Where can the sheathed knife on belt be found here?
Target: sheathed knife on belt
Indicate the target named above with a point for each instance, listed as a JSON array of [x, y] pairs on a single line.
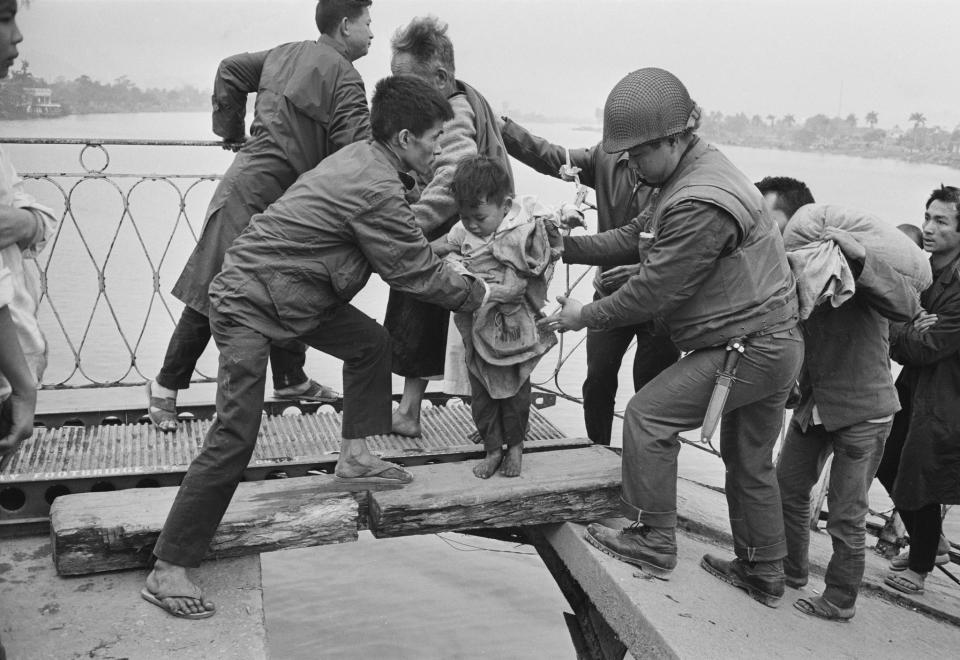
[[721, 389]]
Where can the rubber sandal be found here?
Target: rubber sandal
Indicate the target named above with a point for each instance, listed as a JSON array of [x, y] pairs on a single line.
[[156, 599], [822, 608], [903, 584], [378, 476], [165, 415], [315, 392]]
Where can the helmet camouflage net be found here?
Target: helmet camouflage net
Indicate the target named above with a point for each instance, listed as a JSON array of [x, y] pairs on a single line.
[[647, 104]]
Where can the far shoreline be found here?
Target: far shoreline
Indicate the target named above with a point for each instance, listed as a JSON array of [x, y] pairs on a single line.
[[951, 160]]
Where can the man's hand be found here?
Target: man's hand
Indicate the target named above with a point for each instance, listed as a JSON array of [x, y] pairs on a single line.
[[234, 145], [616, 277], [924, 321], [569, 172], [566, 318], [16, 420], [570, 217], [852, 248]]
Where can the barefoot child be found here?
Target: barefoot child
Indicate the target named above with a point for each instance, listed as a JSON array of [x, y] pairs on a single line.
[[512, 244]]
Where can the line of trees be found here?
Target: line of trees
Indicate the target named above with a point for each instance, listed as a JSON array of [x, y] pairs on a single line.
[[84, 95], [838, 134]]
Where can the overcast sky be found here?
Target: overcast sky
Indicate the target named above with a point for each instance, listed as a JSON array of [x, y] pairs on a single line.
[[558, 57]]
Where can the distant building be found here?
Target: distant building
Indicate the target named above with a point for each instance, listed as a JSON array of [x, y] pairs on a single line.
[[39, 101]]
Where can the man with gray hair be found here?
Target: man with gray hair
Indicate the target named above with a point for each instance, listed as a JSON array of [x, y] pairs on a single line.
[[418, 329]]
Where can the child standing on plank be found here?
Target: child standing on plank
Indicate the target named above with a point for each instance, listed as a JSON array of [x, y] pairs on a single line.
[[512, 244]]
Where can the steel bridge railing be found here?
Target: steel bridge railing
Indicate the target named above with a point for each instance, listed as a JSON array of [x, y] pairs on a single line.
[[112, 226]]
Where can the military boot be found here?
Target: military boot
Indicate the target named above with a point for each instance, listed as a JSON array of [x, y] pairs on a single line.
[[763, 580], [654, 549]]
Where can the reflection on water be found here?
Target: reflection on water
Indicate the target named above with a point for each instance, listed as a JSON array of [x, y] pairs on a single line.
[[406, 598]]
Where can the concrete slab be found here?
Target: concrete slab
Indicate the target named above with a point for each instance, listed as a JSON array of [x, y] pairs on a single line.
[[704, 511], [695, 615], [43, 616]]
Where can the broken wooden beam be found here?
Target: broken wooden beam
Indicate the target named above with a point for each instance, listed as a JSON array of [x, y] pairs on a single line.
[[558, 486], [107, 531]]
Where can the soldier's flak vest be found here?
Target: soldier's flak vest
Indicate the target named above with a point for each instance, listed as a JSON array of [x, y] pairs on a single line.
[[751, 290]]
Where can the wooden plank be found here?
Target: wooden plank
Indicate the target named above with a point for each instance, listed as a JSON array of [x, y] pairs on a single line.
[[575, 484], [95, 532]]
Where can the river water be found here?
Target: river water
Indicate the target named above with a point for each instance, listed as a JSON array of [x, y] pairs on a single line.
[[444, 596]]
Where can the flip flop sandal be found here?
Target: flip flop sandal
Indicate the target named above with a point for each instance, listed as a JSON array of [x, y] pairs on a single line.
[[378, 476], [903, 584], [822, 608], [161, 410], [315, 392], [156, 599]]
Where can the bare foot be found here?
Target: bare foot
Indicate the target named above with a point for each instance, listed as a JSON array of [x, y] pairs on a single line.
[[513, 461], [488, 466], [170, 584], [403, 424]]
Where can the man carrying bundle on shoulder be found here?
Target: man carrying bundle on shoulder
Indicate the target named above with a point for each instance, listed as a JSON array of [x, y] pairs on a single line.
[[847, 398]]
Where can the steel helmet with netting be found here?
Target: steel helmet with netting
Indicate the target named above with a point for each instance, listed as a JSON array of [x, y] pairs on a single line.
[[646, 105]]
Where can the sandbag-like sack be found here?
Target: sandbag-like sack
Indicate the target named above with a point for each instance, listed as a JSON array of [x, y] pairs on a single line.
[[881, 239]]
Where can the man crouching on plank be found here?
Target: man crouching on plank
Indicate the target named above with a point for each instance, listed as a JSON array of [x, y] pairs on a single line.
[[291, 275]]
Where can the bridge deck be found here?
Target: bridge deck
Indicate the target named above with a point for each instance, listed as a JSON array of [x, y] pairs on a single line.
[[75, 459]]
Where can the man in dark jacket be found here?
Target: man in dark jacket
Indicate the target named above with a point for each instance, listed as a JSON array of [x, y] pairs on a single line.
[[310, 103], [714, 272], [290, 276], [847, 403], [620, 196], [419, 329], [922, 458]]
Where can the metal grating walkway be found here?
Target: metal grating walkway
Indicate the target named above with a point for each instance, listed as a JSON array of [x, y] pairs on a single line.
[[74, 459]]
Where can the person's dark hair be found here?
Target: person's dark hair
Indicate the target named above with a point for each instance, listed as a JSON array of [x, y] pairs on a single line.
[[913, 232], [406, 102], [425, 39], [791, 193], [331, 12], [479, 178], [947, 195]]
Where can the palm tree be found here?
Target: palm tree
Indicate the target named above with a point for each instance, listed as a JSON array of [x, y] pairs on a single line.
[[918, 119], [789, 121], [872, 118], [771, 119]]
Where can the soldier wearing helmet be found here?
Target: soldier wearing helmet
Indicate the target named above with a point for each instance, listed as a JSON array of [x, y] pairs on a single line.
[[714, 272]]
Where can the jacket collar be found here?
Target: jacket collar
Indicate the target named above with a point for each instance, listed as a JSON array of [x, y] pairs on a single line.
[[334, 44], [387, 155], [694, 150]]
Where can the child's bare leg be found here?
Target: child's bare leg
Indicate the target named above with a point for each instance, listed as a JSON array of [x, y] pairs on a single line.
[[488, 466], [512, 462]]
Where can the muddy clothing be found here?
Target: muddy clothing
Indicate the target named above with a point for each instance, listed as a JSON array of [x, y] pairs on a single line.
[[713, 268], [620, 197], [310, 102], [291, 275], [419, 329], [928, 427]]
